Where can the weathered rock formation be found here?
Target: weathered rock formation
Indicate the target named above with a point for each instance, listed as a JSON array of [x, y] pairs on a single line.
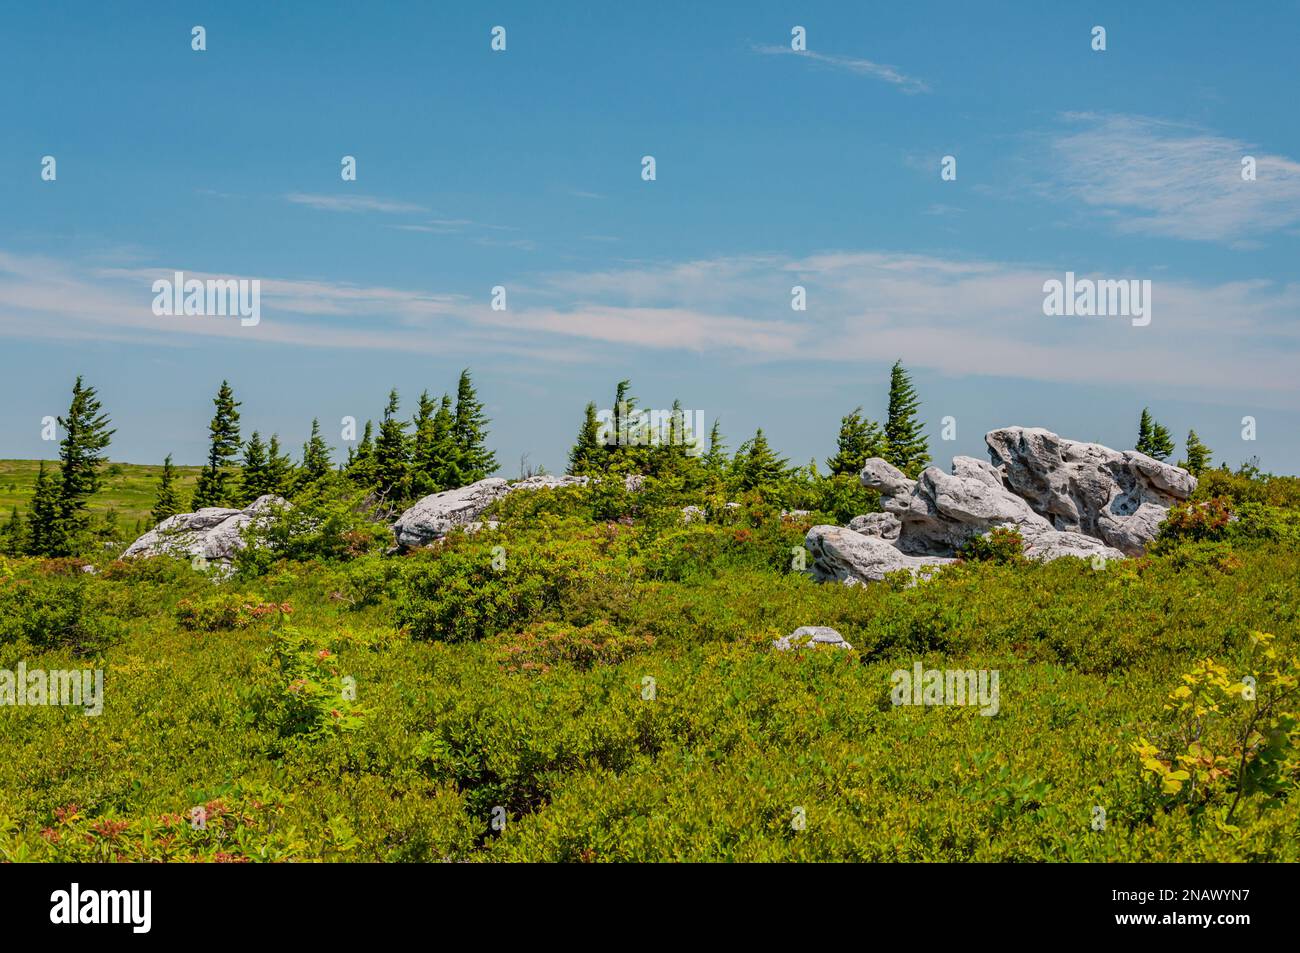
[[838, 553], [1120, 497], [213, 533], [1066, 498], [433, 517]]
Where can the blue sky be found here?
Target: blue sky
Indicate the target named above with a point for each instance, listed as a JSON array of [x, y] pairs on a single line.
[[523, 169]]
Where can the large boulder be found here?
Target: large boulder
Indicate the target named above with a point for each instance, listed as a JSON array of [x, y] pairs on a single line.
[[212, 533], [1064, 497], [1119, 497], [433, 517], [842, 555], [939, 511]]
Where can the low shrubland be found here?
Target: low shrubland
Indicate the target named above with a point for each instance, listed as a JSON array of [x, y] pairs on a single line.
[[594, 680]]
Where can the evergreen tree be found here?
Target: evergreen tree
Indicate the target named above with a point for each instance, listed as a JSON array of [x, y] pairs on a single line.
[[1153, 438], [715, 460], [1144, 432], [585, 457], [279, 468], [81, 454], [43, 530], [13, 537], [619, 438], [1198, 455], [316, 464], [361, 468], [450, 471], [906, 446], [169, 501], [860, 439], [757, 465], [430, 445], [469, 433], [111, 530], [392, 453], [254, 477], [216, 485]]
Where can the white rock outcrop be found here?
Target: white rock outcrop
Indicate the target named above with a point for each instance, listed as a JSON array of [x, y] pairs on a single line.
[[840, 554], [212, 533], [433, 517], [1065, 498]]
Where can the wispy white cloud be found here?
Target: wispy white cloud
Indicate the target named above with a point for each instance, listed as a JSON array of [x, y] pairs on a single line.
[[351, 203], [851, 64], [1153, 177], [1227, 341]]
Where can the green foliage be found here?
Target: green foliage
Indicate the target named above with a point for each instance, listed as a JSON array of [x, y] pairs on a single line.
[[168, 503], [609, 683], [81, 454], [587, 454], [1153, 438], [1001, 544], [472, 589], [906, 446], [216, 484], [224, 611], [316, 466], [45, 535], [329, 522], [392, 454], [46, 612], [860, 439], [757, 467], [1232, 739], [1198, 455], [254, 476], [469, 433], [544, 645]]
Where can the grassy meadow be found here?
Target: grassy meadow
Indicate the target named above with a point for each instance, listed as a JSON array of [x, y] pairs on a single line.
[[129, 488]]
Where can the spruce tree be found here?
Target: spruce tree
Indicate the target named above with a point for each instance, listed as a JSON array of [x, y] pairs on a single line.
[[1153, 438], [361, 468], [426, 453], [585, 457], [715, 460], [254, 476], [906, 446], [469, 433], [13, 537], [1198, 455], [619, 439], [450, 471], [43, 531], [216, 480], [1144, 432], [392, 453], [316, 464], [81, 454], [860, 439], [757, 465], [169, 501], [279, 468]]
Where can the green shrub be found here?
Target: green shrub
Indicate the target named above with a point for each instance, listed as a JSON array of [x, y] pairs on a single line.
[[1000, 545], [545, 644], [223, 611], [470, 590], [52, 612]]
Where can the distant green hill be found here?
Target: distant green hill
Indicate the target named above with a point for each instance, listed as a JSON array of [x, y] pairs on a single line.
[[130, 488]]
